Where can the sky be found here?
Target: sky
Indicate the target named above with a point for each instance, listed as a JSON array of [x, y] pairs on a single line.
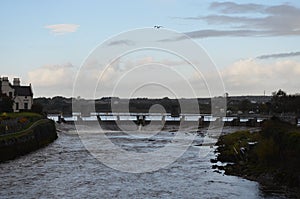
[[253, 45]]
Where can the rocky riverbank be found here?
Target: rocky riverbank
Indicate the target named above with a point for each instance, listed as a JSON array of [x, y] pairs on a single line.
[[38, 135], [270, 156]]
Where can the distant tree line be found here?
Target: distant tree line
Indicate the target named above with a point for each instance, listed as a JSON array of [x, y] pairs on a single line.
[[279, 102], [283, 103], [107, 104]]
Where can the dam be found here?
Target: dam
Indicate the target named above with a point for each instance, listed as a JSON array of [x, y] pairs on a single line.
[[144, 119]]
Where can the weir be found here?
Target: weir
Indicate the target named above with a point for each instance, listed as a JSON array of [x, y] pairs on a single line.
[[144, 119]]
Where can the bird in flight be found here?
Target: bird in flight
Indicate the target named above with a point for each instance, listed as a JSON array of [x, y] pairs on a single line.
[[158, 27]]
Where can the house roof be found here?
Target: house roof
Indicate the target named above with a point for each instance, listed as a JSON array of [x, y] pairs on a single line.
[[23, 91]]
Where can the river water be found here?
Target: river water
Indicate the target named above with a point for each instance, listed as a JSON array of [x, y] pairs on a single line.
[[65, 169]]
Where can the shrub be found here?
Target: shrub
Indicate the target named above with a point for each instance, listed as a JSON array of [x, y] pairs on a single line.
[[23, 120], [267, 151]]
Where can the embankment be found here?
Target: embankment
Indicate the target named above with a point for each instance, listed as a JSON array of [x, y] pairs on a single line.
[[271, 156], [38, 135]]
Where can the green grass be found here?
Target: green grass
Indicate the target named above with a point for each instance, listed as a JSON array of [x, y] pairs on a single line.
[[23, 132], [22, 114], [26, 119]]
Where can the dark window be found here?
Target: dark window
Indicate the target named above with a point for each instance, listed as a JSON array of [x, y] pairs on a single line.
[[10, 94], [25, 106], [17, 106]]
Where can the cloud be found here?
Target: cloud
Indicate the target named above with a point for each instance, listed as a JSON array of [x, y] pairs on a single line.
[[221, 19], [121, 42], [231, 7], [237, 20], [52, 75], [52, 79], [217, 33], [222, 33], [279, 55], [61, 29], [243, 77], [127, 74], [251, 76]]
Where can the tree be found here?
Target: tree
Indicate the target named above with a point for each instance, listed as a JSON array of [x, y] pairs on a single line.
[[283, 103], [6, 103], [245, 105], [279, 101], [279, 93], [37, 108]]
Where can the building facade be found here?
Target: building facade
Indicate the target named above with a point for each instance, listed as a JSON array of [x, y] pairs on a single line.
[[21, 95]]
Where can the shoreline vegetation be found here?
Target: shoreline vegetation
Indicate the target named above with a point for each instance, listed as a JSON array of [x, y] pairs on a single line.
[[270, 156], [22, 133]]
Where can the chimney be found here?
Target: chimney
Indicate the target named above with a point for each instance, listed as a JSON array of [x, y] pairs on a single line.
[[4, 81], [16, 82]]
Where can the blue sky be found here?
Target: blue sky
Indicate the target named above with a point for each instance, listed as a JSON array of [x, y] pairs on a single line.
[[246, 30]]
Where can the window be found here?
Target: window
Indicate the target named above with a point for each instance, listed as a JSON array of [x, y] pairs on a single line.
[[17, 106], [25, 106], [10, 94]]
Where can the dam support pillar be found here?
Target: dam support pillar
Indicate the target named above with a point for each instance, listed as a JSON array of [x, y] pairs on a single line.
[[201, 121], [163, 120], [182, 119]]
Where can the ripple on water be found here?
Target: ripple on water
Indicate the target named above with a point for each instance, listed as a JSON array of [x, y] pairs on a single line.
[[65, 169]]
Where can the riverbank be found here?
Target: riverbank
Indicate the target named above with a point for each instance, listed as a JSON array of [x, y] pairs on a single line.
[[270, 156], [65, 169], [37, 135]]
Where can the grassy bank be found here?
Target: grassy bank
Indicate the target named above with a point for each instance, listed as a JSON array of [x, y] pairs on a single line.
[[271, 156], [34, 133], [14, 122]]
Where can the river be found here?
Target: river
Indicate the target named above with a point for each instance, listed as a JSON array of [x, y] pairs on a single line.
[[65, 169]]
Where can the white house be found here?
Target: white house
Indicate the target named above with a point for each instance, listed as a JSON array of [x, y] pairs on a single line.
[[21, 95]]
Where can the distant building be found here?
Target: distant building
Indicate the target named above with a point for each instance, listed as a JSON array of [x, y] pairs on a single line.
[[21, 95]]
